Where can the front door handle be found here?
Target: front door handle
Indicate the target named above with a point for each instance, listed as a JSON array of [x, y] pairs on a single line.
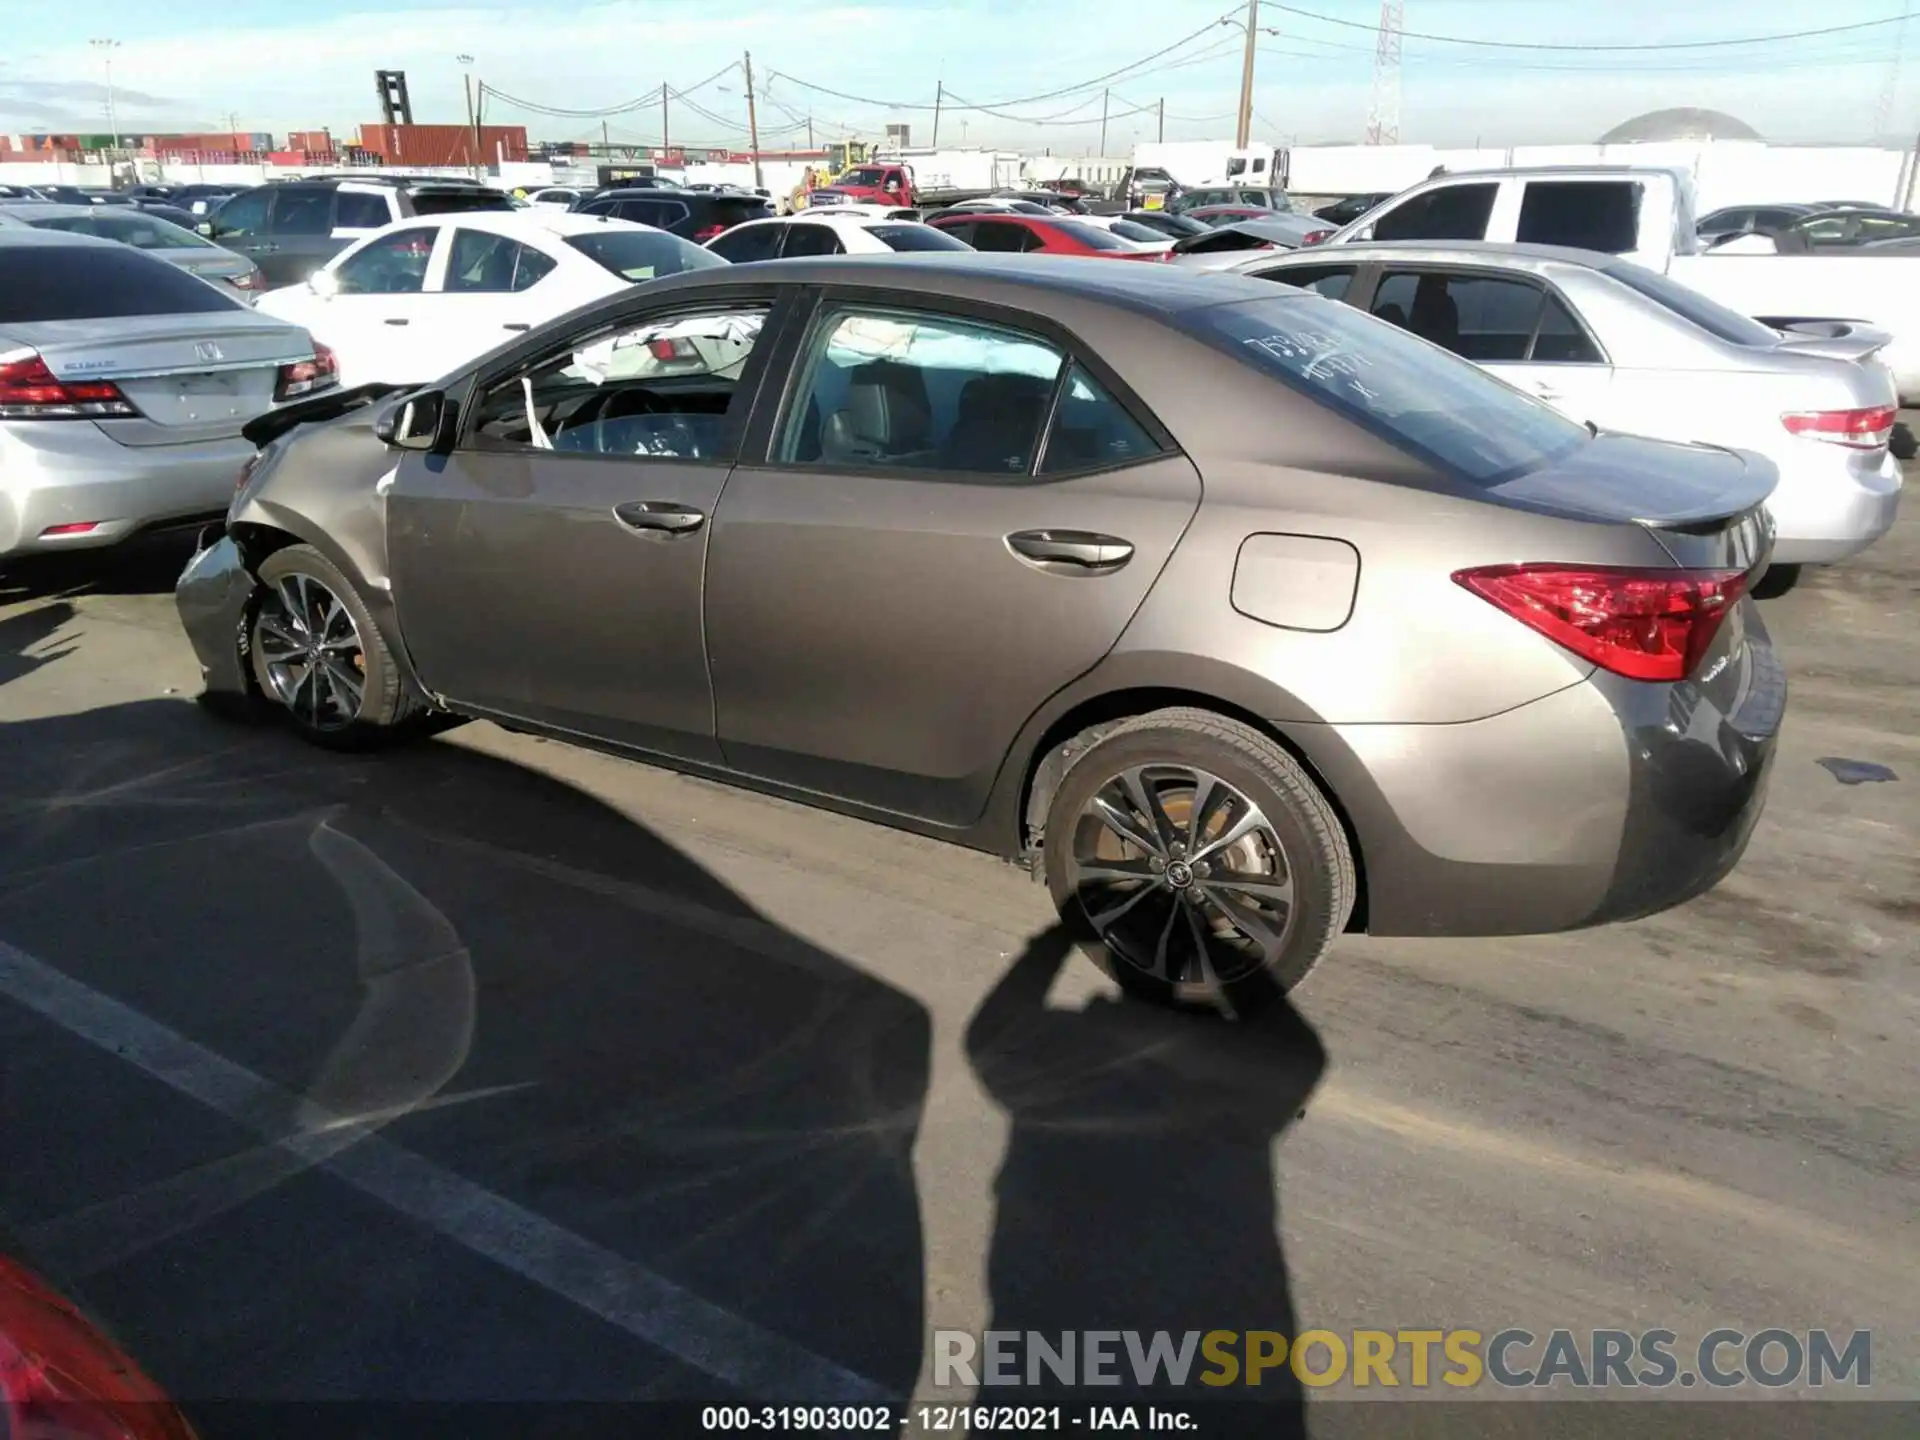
[[392, 321], [1078, 549], [518, 325], [659, 515]]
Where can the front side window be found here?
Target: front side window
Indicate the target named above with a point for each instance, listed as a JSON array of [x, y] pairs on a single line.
[[1450, 212], [394, 264], [803, 239], [1451, 414], [244, 214], [890, 390], [665, 388], [1091, 236], [746, 243]]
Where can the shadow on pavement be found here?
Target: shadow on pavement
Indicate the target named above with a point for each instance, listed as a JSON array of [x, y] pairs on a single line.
[[496, 972], [1137, 1193], [28, 630], [145, 565]]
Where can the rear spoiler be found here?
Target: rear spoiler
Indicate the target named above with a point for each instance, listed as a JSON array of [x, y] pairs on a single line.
[[1834, 339], [263, 430]]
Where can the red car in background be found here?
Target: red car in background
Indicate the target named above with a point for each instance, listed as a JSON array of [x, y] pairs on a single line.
[[1009, 233]]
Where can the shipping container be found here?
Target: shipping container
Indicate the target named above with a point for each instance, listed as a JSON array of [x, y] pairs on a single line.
[[310, 140], [444, 145]]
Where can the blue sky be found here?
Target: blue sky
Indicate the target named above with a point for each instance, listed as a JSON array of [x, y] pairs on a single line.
[[192, 64]]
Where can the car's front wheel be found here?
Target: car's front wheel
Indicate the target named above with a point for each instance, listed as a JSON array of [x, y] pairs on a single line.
[[316, 651], [1197, 861]]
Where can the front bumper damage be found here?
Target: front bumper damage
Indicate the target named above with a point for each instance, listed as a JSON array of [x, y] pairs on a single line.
[[214, 596]]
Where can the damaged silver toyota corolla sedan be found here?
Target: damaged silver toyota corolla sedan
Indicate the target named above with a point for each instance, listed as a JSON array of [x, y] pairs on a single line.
[[1244, 618]]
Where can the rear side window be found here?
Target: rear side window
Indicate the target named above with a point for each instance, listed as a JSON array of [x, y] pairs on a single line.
[[1091, 430], [302, 212], [735, 212], [99, 282], [457, 202], [805, 240], [355, 211], [484, 262], [1453, 212], [915, 237], [1332, 281], [1690, 305], [1001, 238], [1447, 412], [1599, 215], [640, 255], [661, 214], [1091, 236], [244, 214], [747, 243]]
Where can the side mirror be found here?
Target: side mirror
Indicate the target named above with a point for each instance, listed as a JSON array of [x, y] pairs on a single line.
[[205, 227], [416, 424], [322, 283]]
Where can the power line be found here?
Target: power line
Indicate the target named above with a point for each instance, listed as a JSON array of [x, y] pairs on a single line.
[[1541, 45]]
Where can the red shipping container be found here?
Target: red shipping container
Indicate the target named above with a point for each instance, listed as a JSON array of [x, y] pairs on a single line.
[[434, 146]]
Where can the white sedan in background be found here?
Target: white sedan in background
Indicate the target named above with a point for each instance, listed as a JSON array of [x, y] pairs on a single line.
[[423, 296], [1622, 348], [827, 232]]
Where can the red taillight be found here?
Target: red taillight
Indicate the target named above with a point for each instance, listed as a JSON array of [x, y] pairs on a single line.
[[30, 391], [671, 350], [60, 1376], [1643, 624], [75, 527], [251, 281], [304, 377], [700, 237], [1314, 237], [1870, 429]]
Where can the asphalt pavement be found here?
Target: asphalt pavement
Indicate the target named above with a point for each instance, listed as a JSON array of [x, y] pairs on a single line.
[[491, 1069]]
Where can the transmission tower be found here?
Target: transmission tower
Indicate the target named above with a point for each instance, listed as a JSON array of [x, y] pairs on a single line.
[[1883, 116], [1383, 118]]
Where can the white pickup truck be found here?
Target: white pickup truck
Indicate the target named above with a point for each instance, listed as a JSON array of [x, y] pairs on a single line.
[[1646, 215]]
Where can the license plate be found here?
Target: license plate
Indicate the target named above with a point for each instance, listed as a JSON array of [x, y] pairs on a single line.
[[209, 387]]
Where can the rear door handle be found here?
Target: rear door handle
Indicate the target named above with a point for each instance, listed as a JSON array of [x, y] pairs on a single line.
[[1077, 549], [519, 325], [659, 515], [392, 321]]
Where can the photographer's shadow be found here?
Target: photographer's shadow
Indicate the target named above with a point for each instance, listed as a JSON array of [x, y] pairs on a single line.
[[1138, 1189]]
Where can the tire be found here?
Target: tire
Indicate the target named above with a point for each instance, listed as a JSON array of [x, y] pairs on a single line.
[[1778, 580], [388, 708], [1173, 753]]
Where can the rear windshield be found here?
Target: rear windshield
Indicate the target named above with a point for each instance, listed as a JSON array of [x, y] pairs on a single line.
[[1091, 236], [732, 212], [1444, 409], [458, 202], [916, 237], [1690, 305], [1146, 234], [98, 282], [129, 227], [644, 254]]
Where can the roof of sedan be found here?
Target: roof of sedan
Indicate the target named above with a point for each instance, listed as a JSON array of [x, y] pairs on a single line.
[[29, 235], [521, 222], [1166, 289], [1484, 251], [52, 209]]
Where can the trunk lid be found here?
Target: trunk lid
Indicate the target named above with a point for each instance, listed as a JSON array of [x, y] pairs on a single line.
[[193, 378], [1661, 485]]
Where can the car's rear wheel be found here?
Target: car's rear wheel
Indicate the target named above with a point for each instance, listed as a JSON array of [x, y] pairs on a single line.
[[1196, 861], [1778, 580], [316, 652]]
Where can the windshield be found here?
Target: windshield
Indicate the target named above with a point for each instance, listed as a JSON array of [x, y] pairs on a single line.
[[643, 254], [1443, 409], [867, 177], [99, 282], [1132, 230], [1690, 305], [143, 232], [1092, 236], [916, 237]]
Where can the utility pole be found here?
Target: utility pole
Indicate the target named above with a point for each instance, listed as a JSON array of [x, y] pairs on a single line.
[[473, 116], [1244, 129], [809, 132], [1160, 132], [1105, 95], [753, 120], [106, 49], [606, 140], [939, 95], [666, 142]]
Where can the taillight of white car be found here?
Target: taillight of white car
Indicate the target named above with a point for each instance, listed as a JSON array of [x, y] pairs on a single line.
[[253, 282], [306, 377], [1869, 429], [30, 391]]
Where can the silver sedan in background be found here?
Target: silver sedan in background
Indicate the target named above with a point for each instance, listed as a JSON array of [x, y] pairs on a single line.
[[1616, 345], [154, 234], [123, 386]]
